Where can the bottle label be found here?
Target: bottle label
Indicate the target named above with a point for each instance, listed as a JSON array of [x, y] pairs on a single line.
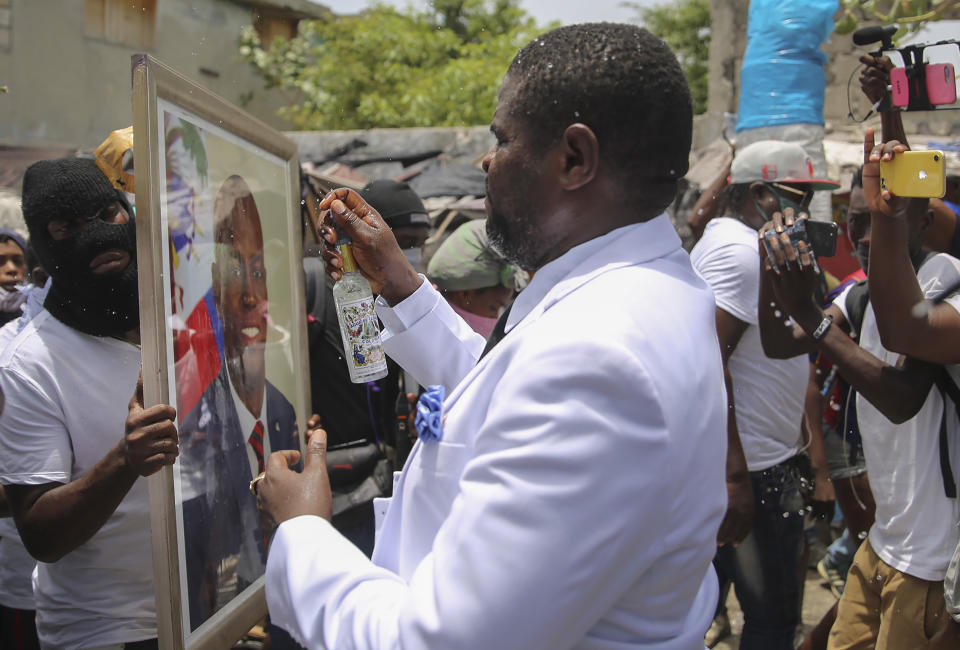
[[362, 330]]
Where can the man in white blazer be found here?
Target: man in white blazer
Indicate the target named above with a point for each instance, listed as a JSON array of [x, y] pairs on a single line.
[[568, 495]]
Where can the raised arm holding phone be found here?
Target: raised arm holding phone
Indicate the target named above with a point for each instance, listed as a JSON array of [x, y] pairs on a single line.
[[899, 412], [933, 336]]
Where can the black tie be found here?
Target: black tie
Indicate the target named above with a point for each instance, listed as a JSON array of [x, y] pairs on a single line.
[[497, 332]]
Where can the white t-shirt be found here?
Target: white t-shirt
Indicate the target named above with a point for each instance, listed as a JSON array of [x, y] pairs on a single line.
[[768, 393], [16, 564], [915, 528], [66, 405], [16, 569]]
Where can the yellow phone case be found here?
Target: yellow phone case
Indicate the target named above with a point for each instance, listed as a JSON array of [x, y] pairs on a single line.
[[915, 173]]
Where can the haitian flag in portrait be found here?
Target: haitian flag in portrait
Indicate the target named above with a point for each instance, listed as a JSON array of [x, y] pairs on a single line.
[[197, 331]]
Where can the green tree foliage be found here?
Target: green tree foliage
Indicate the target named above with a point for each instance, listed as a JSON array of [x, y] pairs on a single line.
[[390, 68], [685, 26], [908, 14]]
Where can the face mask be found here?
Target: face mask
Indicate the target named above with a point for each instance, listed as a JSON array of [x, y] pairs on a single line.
[[414, 256], [784, 204], [482, 325], [102, 305], [10, 301]]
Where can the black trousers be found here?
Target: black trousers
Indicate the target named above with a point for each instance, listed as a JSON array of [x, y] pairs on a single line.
[[18, 630]]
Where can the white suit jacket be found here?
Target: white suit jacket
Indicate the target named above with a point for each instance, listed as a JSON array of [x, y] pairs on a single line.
[[575, 496]]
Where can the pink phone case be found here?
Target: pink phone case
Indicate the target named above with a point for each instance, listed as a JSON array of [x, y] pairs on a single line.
[[941, 84], [900, 88]]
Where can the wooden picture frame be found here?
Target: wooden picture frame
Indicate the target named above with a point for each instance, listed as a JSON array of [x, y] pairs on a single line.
[[223, 330]]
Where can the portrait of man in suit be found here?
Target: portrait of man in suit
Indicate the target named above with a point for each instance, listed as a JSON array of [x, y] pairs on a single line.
[[240, 419]]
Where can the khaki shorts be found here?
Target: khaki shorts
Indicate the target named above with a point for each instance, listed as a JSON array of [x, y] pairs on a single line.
[[887, 609]]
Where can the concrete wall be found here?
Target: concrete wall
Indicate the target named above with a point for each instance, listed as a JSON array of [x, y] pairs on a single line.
[[728, 24], [66, 89], [728, 42]]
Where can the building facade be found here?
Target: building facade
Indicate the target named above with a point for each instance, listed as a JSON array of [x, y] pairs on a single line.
[[66, 63]]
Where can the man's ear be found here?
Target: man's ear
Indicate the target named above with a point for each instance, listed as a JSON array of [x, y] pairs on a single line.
[[581, 156]]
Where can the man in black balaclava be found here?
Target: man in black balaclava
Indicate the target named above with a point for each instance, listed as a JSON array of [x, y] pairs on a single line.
[[83, 233], [72, 442]]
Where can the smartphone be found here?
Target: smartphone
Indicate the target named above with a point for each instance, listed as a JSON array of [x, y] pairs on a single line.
[[941, 84], [899, 87], [821, 236], [915, 173]]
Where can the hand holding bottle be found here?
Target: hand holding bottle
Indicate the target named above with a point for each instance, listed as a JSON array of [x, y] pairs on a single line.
[[377, 254]]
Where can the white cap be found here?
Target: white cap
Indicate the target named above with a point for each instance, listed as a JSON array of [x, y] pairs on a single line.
[[773, 161]]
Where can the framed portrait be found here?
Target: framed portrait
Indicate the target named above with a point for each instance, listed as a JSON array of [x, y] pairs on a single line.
[[219, 242]]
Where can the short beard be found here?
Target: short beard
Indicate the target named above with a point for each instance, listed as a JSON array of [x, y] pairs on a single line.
[[516, 243]]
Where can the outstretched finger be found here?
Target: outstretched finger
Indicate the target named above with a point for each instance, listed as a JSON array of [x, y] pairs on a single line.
[[868, 145], [136, 402], [316, 459]]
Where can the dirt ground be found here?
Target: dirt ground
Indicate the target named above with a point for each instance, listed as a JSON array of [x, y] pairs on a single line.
[[817, 599]]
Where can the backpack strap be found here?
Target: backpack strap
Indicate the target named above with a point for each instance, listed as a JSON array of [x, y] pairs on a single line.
[[948, 388], [856, 306], [949, 391]]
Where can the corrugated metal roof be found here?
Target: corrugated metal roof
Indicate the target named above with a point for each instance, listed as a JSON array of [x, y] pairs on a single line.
[[298, 8]]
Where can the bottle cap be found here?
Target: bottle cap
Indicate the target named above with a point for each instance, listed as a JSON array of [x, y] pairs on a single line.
[[345, 249], [346, 253]]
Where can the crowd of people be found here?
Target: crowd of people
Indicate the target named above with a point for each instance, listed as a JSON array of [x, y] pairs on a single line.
[[627, 432]]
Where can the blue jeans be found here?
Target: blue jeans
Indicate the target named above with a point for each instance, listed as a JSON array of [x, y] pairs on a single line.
[[842, 550], [764, 568]]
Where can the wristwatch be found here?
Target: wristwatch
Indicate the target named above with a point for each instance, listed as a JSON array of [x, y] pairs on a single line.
[[822, 328]]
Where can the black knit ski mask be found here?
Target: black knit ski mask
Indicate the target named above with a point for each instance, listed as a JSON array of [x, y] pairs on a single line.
[[102, 305]]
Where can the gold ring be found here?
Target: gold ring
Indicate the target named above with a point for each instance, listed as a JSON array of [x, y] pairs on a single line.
[[253, 483]]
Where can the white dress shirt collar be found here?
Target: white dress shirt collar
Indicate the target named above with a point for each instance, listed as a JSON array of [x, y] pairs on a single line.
[[639, 242], [247, 421]]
